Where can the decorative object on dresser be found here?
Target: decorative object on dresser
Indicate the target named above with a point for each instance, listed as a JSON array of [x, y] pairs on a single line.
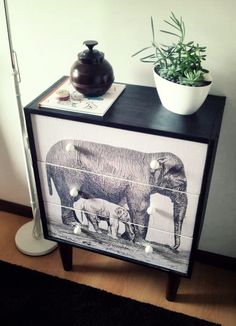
[[129, 185], [77, 102], [91, 74], [181, 81]]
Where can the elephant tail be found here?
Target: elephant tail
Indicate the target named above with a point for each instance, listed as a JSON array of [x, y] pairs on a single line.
[[49, 178]]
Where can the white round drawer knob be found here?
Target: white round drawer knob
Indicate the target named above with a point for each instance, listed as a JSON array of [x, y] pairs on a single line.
[[150, 210], [154, 165], [74, 192], [70, 147], [148, 249], [77, 229]]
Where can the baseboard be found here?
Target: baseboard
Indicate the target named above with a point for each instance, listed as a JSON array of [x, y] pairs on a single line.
[[215, 259], [200, 256], [15, 208]]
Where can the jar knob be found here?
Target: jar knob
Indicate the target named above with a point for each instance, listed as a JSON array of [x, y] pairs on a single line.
[[90, 44]]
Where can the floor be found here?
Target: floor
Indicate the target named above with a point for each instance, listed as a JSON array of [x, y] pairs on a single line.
[[210, 294]]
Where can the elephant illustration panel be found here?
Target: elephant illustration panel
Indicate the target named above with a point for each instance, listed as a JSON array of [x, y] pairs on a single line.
[[147, 205], [140, 157], [156, 250]]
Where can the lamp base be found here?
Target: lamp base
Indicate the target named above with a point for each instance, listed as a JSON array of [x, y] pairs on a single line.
[[32, 247]]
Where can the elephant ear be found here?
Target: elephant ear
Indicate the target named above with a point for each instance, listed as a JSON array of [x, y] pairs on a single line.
[[170, 165], [176, 169], [174, 175], [121, 213], [83, 195]]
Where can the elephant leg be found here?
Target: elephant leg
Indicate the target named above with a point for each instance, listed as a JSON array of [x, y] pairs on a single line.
[[67, 212], [139, 216], [109, 228], [180, 202], [68, 216], [138, 230], [129, 229], [141, 231], [93, 219], [114, 222], [135, 233]]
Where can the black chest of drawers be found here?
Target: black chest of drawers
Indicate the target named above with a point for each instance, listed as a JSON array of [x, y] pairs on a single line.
[[132, 184]]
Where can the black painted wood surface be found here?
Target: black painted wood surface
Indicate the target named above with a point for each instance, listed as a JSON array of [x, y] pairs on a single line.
[[139, 108], [172, 286]]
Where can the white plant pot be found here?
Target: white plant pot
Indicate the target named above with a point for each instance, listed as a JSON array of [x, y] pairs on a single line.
[[178, 98]]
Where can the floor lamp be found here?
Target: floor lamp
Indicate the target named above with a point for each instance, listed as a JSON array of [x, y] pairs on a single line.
[[29, 238]]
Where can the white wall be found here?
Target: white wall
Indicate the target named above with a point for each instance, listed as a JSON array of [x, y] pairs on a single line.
[[47, 36]]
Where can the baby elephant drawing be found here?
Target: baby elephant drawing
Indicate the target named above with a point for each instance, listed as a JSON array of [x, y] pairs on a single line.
[[96, 210]]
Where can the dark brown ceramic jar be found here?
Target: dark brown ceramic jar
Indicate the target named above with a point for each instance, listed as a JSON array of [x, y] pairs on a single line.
[[91, 74]]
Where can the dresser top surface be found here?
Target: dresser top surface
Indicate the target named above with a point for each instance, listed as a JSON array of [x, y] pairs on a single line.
[[139, 108]]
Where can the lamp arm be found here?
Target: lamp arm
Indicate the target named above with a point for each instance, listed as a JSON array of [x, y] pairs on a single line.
[[37, 229], [29, 238]]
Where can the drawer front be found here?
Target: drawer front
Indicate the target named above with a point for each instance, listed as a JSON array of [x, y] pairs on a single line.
[[160, 255], [62, 186], [175, 164]]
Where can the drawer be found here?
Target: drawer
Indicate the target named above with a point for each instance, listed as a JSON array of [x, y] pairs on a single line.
[[176, 164], [161, 256], [60, 182]]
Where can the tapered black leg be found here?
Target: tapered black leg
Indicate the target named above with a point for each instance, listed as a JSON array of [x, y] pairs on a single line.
[[172, 286], [66, 252]]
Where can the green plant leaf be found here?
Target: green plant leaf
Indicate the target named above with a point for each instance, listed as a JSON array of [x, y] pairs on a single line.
[[148, 47], [153, 30], [166, 21], [173, 17], [179, 62], [149, 58], [171, 33]]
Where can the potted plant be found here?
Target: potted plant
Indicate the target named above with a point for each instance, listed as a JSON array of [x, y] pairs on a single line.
[[181, 81]]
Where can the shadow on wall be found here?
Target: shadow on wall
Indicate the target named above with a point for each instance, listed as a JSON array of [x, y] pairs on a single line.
[[12, 186]]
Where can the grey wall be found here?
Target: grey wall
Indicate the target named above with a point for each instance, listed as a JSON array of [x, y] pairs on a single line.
[[47, 36]]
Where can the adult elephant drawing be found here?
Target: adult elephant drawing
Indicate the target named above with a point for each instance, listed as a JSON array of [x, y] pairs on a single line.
[[120, 176]]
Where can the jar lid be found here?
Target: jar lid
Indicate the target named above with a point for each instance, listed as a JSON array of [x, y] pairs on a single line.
[[91, 56]]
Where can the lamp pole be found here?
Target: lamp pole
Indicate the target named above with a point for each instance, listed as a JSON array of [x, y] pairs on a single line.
[[29, 238]]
